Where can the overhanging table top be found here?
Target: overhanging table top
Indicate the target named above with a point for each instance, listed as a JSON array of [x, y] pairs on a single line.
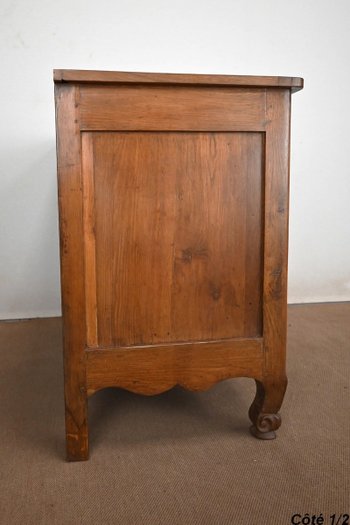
[[120, 77]]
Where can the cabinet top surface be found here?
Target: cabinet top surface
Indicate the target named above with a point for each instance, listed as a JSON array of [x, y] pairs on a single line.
[[110, 77]]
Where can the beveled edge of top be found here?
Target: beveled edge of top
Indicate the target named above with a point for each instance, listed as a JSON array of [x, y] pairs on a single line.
[[123, 77]]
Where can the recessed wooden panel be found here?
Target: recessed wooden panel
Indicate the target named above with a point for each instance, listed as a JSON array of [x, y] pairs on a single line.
[[178, 234], [171, 108]]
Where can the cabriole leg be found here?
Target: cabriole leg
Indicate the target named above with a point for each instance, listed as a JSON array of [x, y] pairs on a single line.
[[263, 412]]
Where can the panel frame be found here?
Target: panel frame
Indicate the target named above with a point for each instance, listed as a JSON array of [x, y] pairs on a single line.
[[277, 176], [90, 240], [275, 124], [153, 369], [72, 269], [171, 108]]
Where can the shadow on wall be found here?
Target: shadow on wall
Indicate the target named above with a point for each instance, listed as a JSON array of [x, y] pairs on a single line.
[[29, 266]]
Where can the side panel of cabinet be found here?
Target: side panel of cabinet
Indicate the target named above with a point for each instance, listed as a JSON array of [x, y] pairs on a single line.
[[174, 231], [173, 236]]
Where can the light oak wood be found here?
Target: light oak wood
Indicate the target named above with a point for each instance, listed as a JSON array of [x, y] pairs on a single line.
[[122, 77], [160, 273], [173, 193], [153, 369], [171, 108], [72, 270], [87, 163]]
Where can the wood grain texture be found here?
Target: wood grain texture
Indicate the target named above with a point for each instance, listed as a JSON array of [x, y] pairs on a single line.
[[173, 194], [153, 369], [163, 108], [89, 239], [264, 412], [178, 226], [72, 270], [82, 76], [276, 232]]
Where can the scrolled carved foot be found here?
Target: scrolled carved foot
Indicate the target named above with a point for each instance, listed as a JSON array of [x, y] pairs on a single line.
[[263, 412], [265, 426]]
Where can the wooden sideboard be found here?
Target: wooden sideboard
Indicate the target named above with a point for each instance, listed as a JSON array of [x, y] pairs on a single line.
[[173, 201]]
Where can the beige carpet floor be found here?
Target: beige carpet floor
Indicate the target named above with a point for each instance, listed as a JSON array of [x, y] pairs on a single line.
[[179, 458]]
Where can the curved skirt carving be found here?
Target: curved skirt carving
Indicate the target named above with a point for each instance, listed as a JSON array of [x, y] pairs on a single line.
[[155, 369]]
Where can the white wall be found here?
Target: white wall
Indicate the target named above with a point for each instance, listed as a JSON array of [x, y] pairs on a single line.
[[308, 38]]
